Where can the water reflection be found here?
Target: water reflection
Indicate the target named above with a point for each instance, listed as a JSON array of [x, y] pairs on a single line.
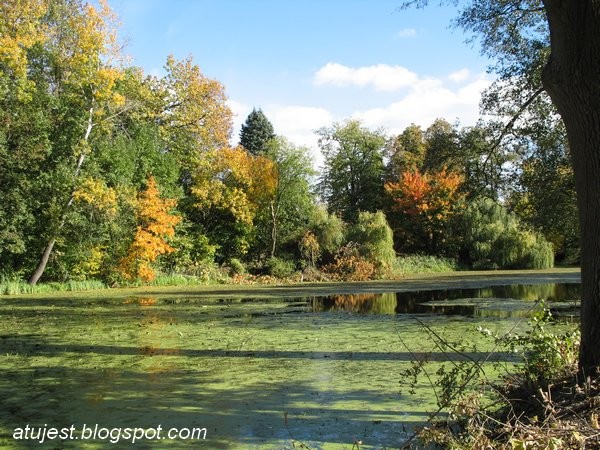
[[496, 301]]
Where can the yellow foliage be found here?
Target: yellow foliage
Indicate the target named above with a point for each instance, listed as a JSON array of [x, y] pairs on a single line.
[[156, 223], [234, 180], [20, 29], [195, 104], [91, 265], [95, 193]]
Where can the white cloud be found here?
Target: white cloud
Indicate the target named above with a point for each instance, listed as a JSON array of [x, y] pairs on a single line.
[[421, 101], [459, 75], [240, 113], [382, 77], [298, 124], [423, 106], [406, 33]]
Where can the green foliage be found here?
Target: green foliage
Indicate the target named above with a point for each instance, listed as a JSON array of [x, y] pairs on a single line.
[[352, 178], [441, 147], [406, 152], [374, 238], [545, 195], [14, 286], [411, 264], [256, 132], [280, 268], [286, 217], [236, 267], [546, 356], [495, 239], [329, 230]]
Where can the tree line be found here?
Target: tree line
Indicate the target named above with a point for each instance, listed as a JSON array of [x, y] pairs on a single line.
[[109, 173]]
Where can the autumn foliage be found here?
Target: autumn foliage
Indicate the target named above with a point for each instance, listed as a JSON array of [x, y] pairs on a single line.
[[155, 225], [423, 204]]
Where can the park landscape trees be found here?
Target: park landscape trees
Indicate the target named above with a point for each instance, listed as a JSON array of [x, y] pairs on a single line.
[[85, 138], [552, 47]]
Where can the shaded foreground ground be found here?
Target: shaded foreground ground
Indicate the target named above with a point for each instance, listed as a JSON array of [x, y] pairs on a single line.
[[252, 365]]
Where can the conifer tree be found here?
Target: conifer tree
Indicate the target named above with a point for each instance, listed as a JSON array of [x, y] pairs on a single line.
[[256, 132]]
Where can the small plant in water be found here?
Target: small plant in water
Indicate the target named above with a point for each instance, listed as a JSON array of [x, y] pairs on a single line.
[[546, 355], [473, 414]]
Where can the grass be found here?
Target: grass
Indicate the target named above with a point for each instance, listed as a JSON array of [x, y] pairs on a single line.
[[413, 264], [13, 286]]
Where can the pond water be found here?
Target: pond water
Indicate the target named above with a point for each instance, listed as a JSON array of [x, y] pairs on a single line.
[[323, 372]]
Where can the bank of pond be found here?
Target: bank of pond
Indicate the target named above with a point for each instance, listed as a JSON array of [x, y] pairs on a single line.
[[321, 371]]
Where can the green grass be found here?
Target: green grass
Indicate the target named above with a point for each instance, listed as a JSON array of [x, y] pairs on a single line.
[[413, 264], [13, 286]]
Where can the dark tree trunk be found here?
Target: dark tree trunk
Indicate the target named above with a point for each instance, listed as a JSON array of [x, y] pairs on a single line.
[[572, 79], [39, 270]]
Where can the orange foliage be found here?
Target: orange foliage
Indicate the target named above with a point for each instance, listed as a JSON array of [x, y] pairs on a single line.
[[430, 195], [155, 225], [426, 203], [350, 266]]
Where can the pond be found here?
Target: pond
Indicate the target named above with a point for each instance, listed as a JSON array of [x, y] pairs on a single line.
[[245, 372]]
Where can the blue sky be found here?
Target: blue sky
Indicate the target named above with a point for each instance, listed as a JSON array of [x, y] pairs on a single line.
[[308, 63]]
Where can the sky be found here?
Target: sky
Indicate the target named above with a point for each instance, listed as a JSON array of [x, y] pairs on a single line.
[[310, 63]]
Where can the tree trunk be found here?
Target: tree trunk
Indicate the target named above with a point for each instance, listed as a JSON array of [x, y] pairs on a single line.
[[42, 264], [273, 229], [572, 79], [41, 267]]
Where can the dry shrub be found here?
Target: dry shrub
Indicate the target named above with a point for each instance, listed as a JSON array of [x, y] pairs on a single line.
[[350, 266]]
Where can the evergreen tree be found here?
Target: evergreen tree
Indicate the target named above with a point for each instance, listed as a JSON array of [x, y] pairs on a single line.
[[256, 132]]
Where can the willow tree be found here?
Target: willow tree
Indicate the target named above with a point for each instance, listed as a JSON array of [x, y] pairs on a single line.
[[552, 47]]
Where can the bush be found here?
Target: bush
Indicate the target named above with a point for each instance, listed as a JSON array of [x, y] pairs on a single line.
[[280, 268], [236, 267], [375, 239], [329, 230], [350, 266], [546, 356], [496, 239]]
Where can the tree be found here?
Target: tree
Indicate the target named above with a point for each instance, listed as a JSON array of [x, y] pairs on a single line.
[[329, 230], [423, 210], [406, 152], [495, 239], [230, 187], [544, 191], [193, 114], [256, 132], [554, 46], [441, 147], [72, 63], [155, 225], [292, 203], [375, 239], [352, 180]]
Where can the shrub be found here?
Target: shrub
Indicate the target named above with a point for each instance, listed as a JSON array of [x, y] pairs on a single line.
[[329, 230], [236, 267], [375, 239], [310, 249], [280, 268], [350, 266], [424, 264], [546, 356]]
